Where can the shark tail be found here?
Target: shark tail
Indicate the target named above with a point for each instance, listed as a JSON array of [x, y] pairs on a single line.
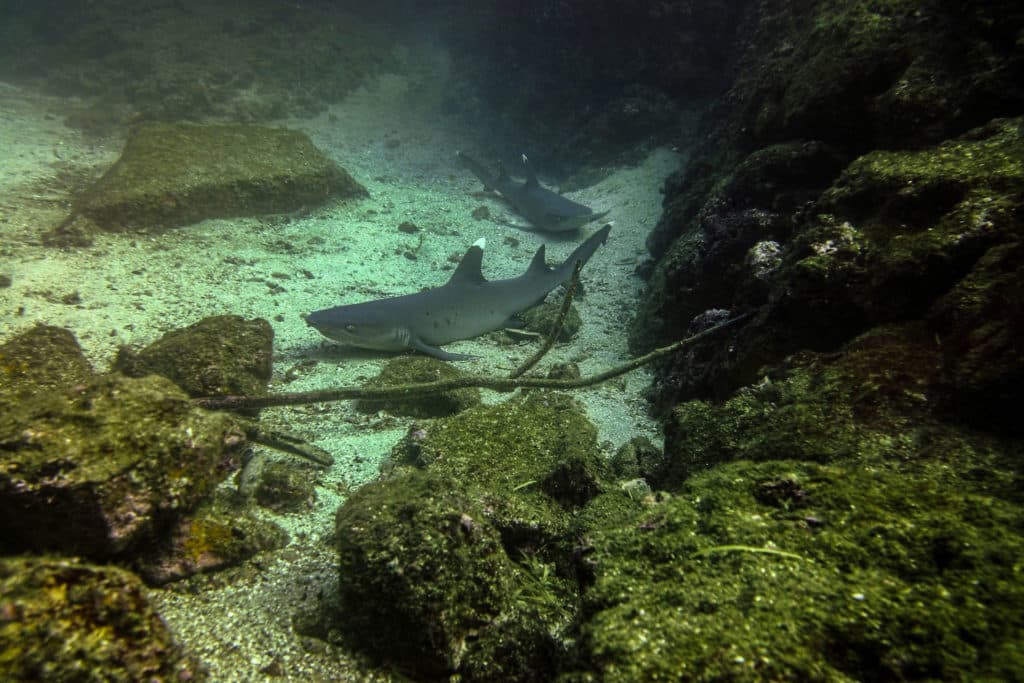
[[478, 170], [583, 252]]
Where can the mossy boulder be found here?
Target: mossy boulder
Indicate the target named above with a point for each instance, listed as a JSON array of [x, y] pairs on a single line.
[[286, 486], [535, 459], [894, 233], [209, 539], [422, 570], [223, 354], [418, 370], [542, 319], [749, 205], [41, 359], [65, 620], [96, 467], [472, 533], [877, 398], [799, 571], [906, 79], [979, 322], [176, 174]]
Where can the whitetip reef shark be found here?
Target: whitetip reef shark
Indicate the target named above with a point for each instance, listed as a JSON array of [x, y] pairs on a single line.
[[466, 306], [544, 209]]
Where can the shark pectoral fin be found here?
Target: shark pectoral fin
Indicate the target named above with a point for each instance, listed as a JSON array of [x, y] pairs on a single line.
[[440, 354]]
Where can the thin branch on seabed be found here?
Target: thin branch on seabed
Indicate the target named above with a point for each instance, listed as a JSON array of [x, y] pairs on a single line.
[[480, 381], [570, 291]]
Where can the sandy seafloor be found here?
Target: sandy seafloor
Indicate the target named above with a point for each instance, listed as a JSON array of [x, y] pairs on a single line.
[[131, 288]]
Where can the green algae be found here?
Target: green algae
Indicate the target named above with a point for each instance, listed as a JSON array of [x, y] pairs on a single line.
[[177, 174], [223, 354], [64, 620], [436, 565], [907, 572], [414, 370], [42, 359], [472, 533], [542, 319], [213, 537], [95, 463], [534, 459]]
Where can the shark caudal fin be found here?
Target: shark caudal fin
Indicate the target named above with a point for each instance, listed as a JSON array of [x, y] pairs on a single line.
[[478, 170], [583, 252]]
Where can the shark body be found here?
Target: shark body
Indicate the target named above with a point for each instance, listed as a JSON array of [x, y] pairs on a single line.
[[544, 209], [466, 306]]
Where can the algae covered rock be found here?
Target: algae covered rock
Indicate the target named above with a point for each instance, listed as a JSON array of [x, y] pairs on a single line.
[[41, 359], [876, 398], [542, 319], [885, 242], [799, 571], [422, 570], [213, 537], [105, 465], [285, 487], [176, 174], [64, 620], [979, 321], [223, 354], [95, 464], [534, 458], [417, 370], [466, 562]]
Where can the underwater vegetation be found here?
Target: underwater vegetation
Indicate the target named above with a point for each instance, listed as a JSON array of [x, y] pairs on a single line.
[[839, 496]]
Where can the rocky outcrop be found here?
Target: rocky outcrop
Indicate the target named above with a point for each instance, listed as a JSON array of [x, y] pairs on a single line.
[[841, 186], [463, 558], [176, 174], [98, 465], [221, 354], [62, 619]]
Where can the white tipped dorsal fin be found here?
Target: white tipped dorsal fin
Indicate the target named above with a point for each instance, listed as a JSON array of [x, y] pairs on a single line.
[[469, 272], [531, 175]]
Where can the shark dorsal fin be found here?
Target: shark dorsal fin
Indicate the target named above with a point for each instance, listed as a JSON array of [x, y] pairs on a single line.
[[531, 175], [538, 264], [469, 271]]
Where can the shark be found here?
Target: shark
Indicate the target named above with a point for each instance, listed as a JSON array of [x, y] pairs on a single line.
[[466, 306], [544, 209]]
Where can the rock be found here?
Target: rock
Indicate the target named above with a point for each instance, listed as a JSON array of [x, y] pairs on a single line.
[[431, 562], [541, 447], [65, 620], [212, 538], [893, 234], [176, 174], [74, 478], [867, 399], [792, 570], [979, 323], [223, 354], [41, 360], [638, 458], [467, 547], [418, 370], [541, 319], [286, 486]]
